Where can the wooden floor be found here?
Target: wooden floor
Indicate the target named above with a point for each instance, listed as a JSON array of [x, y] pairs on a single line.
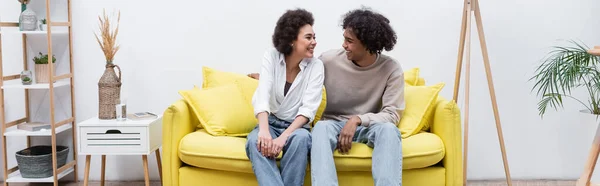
[[470, 183]]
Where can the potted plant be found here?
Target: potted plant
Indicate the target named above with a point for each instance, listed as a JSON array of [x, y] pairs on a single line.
[[568, 68], [26, 77], [109, 85], [42, 68], [43, 25], [565, 69]]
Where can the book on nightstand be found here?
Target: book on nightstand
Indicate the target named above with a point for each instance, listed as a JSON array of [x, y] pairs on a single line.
[[142, 116]]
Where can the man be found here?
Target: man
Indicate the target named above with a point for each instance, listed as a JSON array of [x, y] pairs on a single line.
[[365, 101]]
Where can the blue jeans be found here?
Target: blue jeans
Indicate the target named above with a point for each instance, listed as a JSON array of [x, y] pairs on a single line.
[[384, 138], [293, 162]]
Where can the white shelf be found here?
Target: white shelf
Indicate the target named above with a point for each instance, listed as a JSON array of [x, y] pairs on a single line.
[[38, 32], [13, 131], [16, 177], [36, 85]]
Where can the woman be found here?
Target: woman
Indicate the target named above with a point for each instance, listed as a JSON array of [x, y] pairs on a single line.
[[285, 102]]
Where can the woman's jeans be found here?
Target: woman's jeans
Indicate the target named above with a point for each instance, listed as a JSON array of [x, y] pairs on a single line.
[[295, 156]]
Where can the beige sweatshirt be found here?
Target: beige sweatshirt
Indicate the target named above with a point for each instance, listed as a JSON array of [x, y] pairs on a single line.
[[375, 93]]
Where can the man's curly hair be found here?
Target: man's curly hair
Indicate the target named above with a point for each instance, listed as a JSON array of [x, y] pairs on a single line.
[[287, 29], [371, 28]]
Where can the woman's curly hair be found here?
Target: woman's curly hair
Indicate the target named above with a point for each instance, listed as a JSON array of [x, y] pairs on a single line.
[[287, 29], [371, 29]]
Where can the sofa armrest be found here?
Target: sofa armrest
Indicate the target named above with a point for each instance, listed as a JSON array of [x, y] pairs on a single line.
[[447, 125], [178, 121]]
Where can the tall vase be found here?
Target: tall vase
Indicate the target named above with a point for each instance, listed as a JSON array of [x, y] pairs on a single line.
[[28, 20], [109, 92]]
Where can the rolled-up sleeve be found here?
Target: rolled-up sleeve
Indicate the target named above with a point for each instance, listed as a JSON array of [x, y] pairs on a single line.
[[260, 99], [313, 93]]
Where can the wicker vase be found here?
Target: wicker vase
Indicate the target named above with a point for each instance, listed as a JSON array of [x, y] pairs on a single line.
[[109, 92]]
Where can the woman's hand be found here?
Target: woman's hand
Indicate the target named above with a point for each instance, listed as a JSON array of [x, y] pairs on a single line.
[[278, 144], [265, 142], [254, 75]]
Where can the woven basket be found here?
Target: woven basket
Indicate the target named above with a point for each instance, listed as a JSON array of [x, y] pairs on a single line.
[[41, 72], [36, 161], [109, 92]]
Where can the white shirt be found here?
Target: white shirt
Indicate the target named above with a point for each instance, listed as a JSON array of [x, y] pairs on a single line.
[[303, 97]]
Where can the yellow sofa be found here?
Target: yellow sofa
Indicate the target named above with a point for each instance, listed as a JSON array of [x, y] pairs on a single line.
[[193, 157]]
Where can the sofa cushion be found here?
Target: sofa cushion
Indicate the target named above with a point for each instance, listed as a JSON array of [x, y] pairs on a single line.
[[418, 151], [222, 111], [203, 150], [411, 77], [420, 104], [215, 78]]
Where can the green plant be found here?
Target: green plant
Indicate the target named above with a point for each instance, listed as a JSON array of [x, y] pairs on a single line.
[[565, 69], [43, 21], [43, 59], [26, 79]]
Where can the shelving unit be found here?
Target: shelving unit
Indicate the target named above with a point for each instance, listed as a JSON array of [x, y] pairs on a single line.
[[12, 81]]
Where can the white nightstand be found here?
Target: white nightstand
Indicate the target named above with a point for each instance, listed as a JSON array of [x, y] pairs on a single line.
[[111, 137]]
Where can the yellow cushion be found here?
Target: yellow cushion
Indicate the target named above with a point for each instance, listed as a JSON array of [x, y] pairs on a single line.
[[411, 77], [321, 108], [418, 151], [215, 78], [420, 103], [203, 150], [222, 111]]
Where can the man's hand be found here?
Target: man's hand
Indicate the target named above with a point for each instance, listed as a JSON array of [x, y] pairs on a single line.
[[347, 133], [278, 144], [265, 142], [254, 75]]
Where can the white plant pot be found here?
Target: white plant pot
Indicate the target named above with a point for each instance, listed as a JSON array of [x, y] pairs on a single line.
[[589, 125], [43, 27]]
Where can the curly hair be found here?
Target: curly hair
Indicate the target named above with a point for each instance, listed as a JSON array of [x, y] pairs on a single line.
[[372, 29], [287, 29]]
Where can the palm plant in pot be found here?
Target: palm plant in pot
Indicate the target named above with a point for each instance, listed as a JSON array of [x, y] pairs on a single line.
[[42, 68], [566, 69]]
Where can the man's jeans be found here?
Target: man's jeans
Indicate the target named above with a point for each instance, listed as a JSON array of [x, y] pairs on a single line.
[[384, 138], [293, 163]]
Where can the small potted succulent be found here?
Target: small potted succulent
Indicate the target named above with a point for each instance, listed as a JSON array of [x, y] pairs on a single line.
[[43, 25], [26, 77], [42, 68]]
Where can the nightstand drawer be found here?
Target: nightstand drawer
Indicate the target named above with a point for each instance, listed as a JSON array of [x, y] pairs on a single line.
[[107, 140]]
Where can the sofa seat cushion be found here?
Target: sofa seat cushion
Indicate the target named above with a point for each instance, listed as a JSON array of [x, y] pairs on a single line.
[[420, 150], [203, 150], [228, 153]]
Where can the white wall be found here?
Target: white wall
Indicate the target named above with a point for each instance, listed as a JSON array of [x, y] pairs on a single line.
[[165, 44]]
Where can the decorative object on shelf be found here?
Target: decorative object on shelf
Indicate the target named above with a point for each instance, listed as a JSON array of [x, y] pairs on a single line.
[[28, 20], [121, 111], [36, 161], [42, 68], [34, 126], [109, 85], [43, 25], [26, 77], [23, 4]]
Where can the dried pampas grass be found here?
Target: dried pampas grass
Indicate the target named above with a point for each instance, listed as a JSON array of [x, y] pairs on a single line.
[[108, 43]]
